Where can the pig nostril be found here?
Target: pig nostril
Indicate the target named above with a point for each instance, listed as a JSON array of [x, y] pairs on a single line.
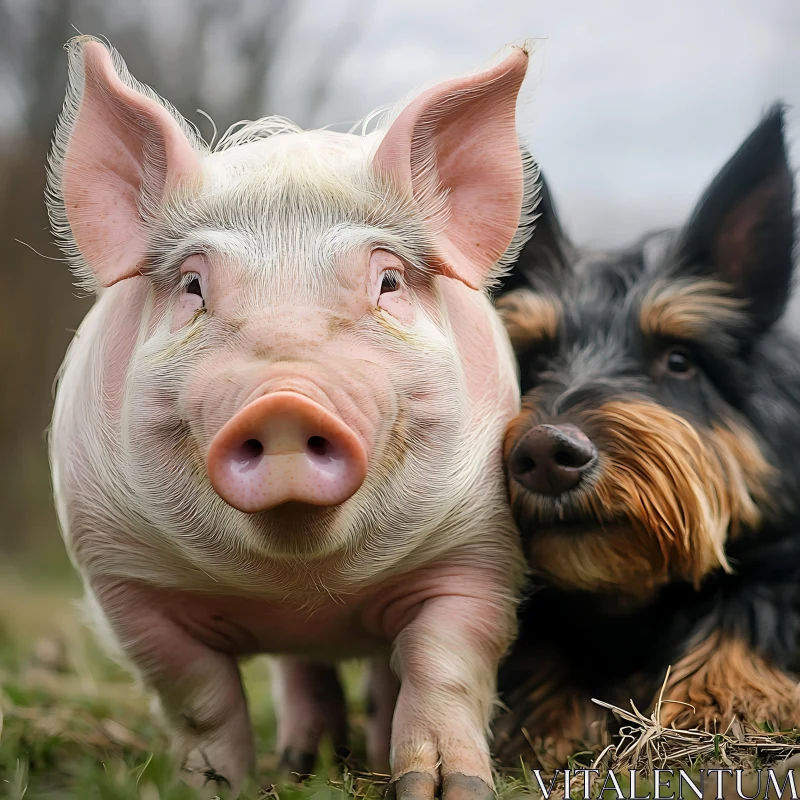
[[319, 446], [252, 448], [248, 455]]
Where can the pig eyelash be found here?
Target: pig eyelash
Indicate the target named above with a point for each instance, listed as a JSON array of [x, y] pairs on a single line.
[[390, 281], [191, 284]]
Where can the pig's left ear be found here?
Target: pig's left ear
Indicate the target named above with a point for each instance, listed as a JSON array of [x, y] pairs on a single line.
[[457, 144], [117, 150]]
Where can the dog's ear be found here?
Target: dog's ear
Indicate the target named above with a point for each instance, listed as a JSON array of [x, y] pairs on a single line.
[[547, 253], [742, 230]]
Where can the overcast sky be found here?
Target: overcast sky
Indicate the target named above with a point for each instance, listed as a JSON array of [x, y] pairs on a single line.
[[630, 106]]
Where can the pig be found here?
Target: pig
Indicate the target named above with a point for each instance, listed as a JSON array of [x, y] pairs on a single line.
[[278, 430]]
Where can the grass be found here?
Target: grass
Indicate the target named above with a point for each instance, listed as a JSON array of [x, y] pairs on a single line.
[[74, 725]]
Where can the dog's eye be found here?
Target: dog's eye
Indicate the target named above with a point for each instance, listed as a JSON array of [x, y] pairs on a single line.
[[390, 281], [679, 363]]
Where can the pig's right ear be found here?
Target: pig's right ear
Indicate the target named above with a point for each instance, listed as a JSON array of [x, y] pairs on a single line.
[[116, 151], [454, 149]]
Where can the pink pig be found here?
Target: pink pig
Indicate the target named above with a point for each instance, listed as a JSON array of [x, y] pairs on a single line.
[[279, 428]]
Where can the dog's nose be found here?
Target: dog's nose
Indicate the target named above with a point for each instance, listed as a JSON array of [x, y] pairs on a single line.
[[551, 459]]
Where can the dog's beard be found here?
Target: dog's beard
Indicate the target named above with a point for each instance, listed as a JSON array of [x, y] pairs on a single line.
[[660, 506]]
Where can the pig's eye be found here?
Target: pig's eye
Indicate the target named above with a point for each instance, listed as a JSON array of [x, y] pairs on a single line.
[[192, 284], [189, 303], [390, 281], [387, 289]]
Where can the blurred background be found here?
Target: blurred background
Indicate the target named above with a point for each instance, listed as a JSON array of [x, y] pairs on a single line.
[[630, 108]]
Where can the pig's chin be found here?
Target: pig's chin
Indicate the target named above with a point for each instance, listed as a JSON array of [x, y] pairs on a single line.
[[295, 529]]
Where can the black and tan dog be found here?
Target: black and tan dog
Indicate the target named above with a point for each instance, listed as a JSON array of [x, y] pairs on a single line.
[[655, 468]]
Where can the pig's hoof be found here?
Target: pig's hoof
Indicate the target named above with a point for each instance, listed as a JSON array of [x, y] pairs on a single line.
[[465, 787], [297, 764], [412, 786]]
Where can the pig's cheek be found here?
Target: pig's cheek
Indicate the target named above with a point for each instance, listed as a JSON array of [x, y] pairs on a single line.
[[399, 307], [185, 309]]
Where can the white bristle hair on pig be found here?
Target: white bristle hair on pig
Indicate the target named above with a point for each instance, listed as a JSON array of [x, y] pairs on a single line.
[[279, 428]]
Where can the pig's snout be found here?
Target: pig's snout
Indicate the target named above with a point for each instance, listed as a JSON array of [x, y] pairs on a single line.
[[284, 447]]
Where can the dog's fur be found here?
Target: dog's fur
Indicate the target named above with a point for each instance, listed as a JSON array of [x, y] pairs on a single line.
[[681, 548]]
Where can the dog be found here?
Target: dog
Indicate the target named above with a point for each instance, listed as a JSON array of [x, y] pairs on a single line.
[[654, 470]]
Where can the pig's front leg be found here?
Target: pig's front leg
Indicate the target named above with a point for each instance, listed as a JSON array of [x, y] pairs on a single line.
[[447, 659], [310, 703], [381, 691], [199, 687]]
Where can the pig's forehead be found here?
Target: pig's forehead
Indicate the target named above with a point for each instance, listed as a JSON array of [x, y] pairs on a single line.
[[307, 194], [291, 155], [318, 178]]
